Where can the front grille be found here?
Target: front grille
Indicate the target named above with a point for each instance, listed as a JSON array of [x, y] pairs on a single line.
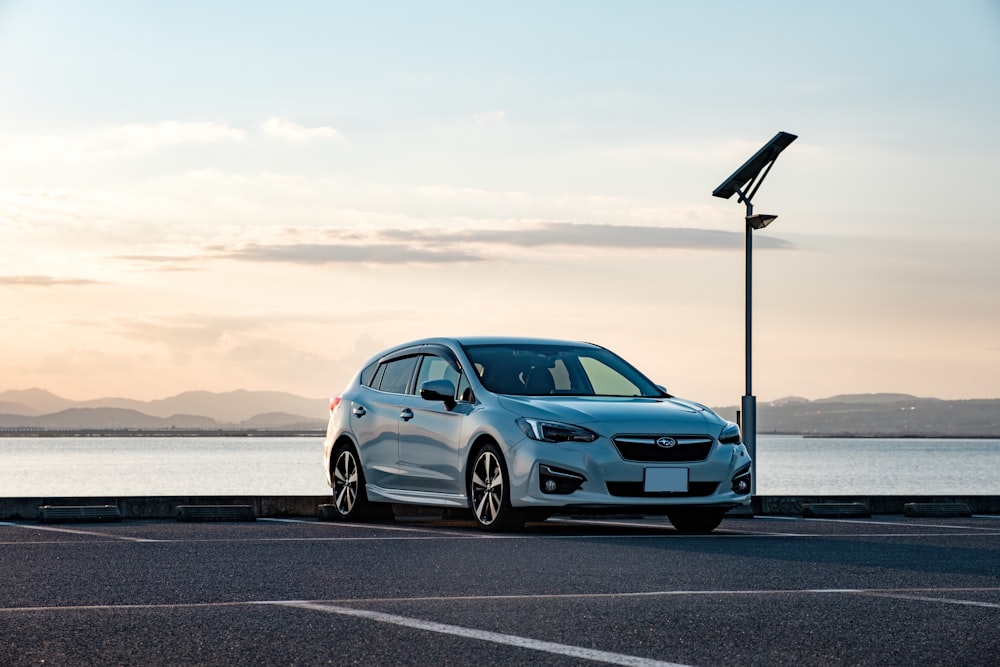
[[644, 448], [635, 490]]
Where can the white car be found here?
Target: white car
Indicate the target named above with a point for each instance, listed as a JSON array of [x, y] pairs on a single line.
[[516, 429]]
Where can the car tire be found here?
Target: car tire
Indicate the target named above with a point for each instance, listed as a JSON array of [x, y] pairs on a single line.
[[696, 519], [350, 501], [489, 492]]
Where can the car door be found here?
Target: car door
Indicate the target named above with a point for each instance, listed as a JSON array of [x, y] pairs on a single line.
[[375, 419], [430, 432]]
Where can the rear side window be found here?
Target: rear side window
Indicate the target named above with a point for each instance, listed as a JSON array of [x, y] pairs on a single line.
[[396, 374], [368, 374]]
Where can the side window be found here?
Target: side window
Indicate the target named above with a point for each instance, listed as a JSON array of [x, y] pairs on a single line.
[[465, 389], [560, 377], [436, 368], [396, 374]]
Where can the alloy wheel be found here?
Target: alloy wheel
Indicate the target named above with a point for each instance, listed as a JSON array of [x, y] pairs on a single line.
[[487, 488], [345, 482]]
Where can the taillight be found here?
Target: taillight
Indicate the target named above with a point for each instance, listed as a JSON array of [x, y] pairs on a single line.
[[334, 402]]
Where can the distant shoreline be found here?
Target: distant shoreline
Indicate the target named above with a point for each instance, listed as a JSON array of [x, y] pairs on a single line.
[[869, 436]]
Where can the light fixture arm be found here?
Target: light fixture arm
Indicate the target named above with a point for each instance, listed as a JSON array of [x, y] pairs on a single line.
[[757, 180], [753, 186]]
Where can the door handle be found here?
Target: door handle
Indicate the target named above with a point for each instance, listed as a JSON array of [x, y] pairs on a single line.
[[359, 411], [406, 414]]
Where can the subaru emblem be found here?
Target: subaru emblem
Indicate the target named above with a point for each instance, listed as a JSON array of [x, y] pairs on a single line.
[[665, 442]]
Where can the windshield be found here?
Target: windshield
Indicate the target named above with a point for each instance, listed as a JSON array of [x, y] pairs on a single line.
[[562, 370]]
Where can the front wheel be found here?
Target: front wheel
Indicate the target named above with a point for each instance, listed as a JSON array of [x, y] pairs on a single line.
[[489, 492], [696, 519]]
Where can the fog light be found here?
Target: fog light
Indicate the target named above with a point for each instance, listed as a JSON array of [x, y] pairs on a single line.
[[741, 484], [557, 480]]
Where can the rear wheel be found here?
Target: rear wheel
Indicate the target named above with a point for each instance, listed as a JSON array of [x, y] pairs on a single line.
[[696, 519], [489, 492]]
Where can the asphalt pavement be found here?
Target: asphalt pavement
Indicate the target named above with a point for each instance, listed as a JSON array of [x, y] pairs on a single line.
[[888, 590]]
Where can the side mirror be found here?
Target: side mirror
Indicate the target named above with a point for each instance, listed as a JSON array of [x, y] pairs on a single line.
[[439, 390]]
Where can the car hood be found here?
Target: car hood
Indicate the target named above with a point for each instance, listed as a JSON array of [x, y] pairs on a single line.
[[614, 411]]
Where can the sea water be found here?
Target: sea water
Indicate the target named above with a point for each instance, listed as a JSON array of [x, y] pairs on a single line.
[[162, 466]]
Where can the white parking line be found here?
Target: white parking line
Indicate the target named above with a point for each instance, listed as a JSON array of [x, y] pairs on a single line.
[[927, 598], [484, 635], [425, 534], [743, 532], [903, 593], [389, 528], [898, 523], [758, 531], [71, 531]]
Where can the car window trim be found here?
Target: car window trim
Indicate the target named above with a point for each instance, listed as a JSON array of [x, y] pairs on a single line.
[[434, 349]]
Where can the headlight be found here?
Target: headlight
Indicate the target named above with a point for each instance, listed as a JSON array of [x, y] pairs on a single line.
[[546, 431], [730, 435]]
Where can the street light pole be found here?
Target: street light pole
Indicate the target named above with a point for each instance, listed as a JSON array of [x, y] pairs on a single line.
[[744, 182], [748, 405], [749, 301]]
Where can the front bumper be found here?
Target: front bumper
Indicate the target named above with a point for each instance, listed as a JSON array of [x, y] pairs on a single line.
[[594, 477]]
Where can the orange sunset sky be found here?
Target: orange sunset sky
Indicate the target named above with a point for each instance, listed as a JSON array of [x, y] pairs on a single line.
[[260, 195]]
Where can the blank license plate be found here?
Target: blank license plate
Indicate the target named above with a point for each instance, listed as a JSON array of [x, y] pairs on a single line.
[[664, 480]]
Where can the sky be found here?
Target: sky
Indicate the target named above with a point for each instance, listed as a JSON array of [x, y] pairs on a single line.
[[262, 195]]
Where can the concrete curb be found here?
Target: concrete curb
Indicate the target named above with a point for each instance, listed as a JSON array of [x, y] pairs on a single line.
[[165, 507], [794, 505]]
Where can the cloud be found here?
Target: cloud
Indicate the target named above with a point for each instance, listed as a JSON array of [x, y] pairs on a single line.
[[44, 281], [286, 129], [164, 263], [167, 133], [593, 236], [177, 333], [488, 117], [437, 246], [184, 334], [325, 253], [120, 141]]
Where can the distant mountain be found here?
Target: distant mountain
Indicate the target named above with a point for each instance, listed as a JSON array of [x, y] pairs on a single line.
[[38, 408], [871, 399], [789, 400], [883, 415], [281, 420], [238, 406], [39, 400], [105, 418], [14, 408]]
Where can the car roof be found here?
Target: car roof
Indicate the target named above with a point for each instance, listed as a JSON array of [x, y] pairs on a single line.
[[463, 341], [498, 340]]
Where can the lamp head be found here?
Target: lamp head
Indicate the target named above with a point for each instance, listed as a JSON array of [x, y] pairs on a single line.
[[760, 220]]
